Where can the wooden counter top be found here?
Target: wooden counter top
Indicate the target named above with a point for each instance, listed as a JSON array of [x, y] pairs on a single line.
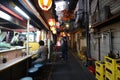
[[11, 49]]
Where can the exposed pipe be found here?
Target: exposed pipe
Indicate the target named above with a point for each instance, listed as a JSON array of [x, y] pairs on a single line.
[[110, 41], [79, 12], [87, 14], [99, 49]]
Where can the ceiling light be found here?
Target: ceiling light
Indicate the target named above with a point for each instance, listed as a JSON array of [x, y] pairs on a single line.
[[31, 26], [5, 16], [67, 25], [22, 12]]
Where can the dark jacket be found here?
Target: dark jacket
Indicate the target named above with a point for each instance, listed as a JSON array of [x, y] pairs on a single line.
[[64, 45]]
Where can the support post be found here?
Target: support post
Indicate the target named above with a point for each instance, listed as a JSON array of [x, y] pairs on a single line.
[[27, 45]]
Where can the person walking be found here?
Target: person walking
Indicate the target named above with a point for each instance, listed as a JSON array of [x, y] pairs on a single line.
[[64, 47]]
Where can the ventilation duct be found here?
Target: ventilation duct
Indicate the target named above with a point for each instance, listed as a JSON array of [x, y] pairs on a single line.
[[78, 13]]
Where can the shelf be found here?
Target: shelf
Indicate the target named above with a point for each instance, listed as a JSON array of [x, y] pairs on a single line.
[[109, 21], [10, 25]]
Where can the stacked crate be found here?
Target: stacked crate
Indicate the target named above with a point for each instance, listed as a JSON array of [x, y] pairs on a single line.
[[110, 68], [100, 70], [118, 72]]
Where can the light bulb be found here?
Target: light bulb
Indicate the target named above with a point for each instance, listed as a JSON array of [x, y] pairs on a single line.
[[45, 2]]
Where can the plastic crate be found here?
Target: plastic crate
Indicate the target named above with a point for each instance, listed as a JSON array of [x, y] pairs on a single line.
[[110, 75], [118, 77], [100, 67], [118, 69], [100, 76], [111, 63]]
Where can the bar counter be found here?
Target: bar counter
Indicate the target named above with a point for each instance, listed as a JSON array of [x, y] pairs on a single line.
[[13, 62], [16, 65], [12, 48]]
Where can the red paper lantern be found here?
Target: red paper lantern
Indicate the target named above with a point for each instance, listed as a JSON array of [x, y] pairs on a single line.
[[45, 4]]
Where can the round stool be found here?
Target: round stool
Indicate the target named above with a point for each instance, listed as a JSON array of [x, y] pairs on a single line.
[[33, 69], [32, 72], [38, 65], [26, 78]]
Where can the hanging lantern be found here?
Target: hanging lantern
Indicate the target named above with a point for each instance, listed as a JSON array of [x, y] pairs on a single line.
[[51, 22], [54, 31], [45, 4], [52, 28], [63, 34], [57, 24], [68, 34]]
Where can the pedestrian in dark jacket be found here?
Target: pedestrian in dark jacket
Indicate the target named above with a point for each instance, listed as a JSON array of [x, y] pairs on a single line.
[[64, 47]]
